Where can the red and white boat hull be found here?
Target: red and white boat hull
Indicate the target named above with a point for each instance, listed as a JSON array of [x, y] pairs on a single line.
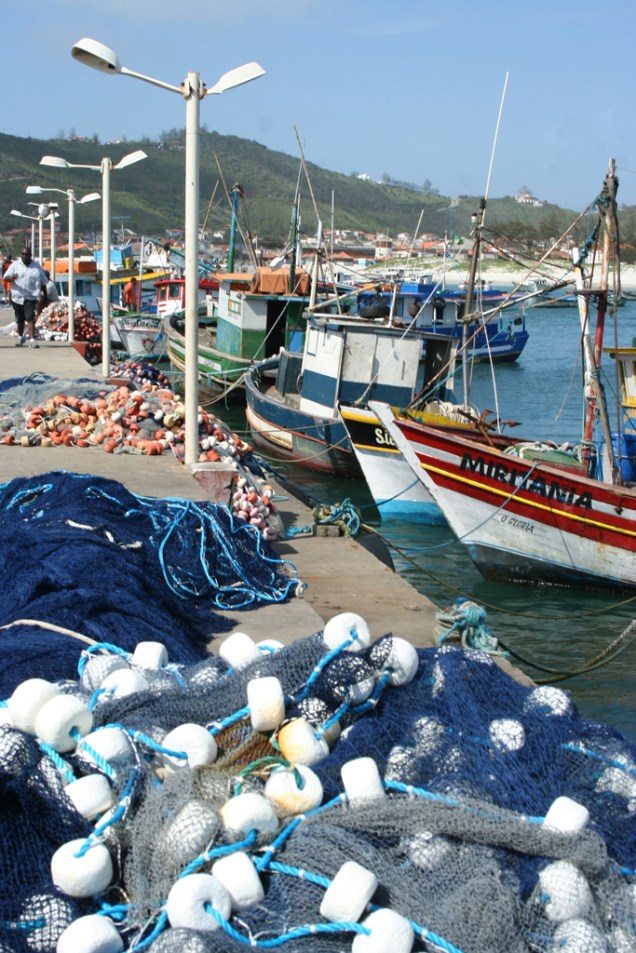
[[523, 520]]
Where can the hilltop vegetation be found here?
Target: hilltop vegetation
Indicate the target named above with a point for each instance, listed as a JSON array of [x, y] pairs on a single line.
[[149, 197]]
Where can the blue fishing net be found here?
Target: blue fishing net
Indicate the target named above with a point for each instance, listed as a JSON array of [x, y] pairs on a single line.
[[84, 554], [469, 760]]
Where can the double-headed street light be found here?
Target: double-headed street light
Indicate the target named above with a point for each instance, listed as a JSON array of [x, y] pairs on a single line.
[[100, 57], [43, 212], [47, 210], [72, 201], [105, 168], [33, 219]]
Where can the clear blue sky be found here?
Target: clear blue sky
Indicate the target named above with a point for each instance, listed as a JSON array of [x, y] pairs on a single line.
[[410, 88]]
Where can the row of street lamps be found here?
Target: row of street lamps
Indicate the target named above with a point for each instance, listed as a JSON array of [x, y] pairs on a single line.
[[98, 56]]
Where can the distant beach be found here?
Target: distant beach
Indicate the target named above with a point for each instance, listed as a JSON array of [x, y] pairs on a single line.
[[509, 277]]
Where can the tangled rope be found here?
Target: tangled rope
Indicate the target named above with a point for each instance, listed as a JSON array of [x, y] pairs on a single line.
[[467, 621]]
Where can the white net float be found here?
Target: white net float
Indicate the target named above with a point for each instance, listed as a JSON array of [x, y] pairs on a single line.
[[124, 681], [403, 662], [110, 743], [194, 741], [81, 876], [389, 932], [579, 936], [349, 893], [190, 832], [188, 899], [548, 700], [240, 878], [361, 779], [266, 703], [59, 718], [345, 626], [283, 790], [566, 815], [567, 891], [152, 655], [27, 700], [428, 851], [507, 734], [238, 650], [249, 812], [429, 733], [90, 934], [91, 795]]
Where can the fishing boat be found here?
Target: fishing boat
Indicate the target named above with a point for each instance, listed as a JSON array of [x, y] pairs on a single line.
[[171, 297], [495, 331], [141, 335], [293, 400], [534, 513], [396, 491], [256, 315]]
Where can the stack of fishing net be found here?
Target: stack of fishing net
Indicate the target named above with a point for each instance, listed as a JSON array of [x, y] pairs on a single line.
[[339, 793]]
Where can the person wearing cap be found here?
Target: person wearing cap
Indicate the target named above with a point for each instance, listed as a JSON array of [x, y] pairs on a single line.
[[27, 280]]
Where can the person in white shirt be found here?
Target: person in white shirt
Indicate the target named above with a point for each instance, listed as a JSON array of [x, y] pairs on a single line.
[[27, 279]]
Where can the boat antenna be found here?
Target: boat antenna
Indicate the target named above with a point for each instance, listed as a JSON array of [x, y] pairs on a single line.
[[478, 224]]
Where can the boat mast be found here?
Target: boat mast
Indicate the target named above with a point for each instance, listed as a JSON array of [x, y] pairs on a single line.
[[293, 240], [478, 223], [237, 192], [606, 203]]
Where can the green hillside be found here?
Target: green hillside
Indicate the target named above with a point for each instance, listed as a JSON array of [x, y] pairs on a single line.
[[148, 197]]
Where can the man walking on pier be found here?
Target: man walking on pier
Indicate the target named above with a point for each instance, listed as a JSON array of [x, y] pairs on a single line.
[[27, 281]]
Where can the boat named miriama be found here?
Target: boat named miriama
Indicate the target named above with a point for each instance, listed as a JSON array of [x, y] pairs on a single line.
[[531, 520]]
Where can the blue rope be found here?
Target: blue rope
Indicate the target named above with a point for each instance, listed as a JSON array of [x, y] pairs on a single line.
[[122, 806], [579, 749], [63, 767], [100, 646], [320, 667], [95, 756], [268, 852], [217, 726]]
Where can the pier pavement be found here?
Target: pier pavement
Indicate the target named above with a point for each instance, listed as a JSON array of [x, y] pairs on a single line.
[[339, 573]]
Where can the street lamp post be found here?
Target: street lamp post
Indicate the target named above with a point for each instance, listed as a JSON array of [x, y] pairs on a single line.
[[43, 212], [72, 200], [52, 215], [105, 168], [94, 54], [33, 219]]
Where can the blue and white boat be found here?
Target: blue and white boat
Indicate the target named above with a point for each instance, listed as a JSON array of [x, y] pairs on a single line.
[[492, 333], [293, 399]]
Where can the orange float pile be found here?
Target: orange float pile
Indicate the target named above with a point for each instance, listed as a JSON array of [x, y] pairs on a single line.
[[149, 420]]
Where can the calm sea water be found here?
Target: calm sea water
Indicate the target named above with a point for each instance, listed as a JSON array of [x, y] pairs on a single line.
[[557, 629]]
